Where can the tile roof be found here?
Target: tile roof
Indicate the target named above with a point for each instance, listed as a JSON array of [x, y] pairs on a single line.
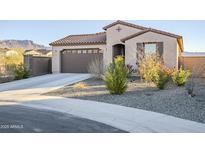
[[124, 23], [150, 30], [100, 38], [97, 38]]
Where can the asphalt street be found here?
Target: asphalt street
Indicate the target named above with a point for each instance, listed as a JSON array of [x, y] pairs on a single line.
[[20, 119]]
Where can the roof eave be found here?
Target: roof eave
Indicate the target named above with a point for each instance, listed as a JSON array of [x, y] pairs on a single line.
[[149, 30], [71, 44], [180, 42]]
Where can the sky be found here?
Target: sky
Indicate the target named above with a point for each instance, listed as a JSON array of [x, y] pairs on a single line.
[[46, 31]]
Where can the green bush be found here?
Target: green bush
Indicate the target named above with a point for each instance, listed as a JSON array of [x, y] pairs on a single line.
[[152, 69], [21, 72], [116, 76], [161, 79], [180, 77]]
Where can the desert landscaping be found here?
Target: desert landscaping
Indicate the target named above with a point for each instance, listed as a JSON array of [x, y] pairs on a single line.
[[172, 100]]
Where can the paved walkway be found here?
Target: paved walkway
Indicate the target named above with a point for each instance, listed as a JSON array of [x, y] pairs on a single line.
[[124, 118]]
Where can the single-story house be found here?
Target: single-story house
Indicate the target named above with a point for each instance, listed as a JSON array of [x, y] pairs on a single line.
[[74, 52]]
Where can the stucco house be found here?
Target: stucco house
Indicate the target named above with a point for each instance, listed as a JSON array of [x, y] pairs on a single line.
[[74, 52]]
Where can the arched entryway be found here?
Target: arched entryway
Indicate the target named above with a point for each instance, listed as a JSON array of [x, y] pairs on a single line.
[[118, 50]]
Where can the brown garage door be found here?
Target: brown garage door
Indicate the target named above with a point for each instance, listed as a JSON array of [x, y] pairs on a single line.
[[77, 60]]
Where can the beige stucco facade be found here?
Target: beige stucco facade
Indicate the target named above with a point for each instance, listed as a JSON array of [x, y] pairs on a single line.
[[170, 54], [114, 36]]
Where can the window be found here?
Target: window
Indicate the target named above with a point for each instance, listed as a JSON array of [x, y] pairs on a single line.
[[95, 51], [84, 51], [150, 48]]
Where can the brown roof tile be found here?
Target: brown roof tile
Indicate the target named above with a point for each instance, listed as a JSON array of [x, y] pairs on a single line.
[[100, 38], [124, 23], [97, 38]]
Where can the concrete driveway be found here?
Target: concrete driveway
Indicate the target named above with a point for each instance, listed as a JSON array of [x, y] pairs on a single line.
[[27, 94], [44, 83]]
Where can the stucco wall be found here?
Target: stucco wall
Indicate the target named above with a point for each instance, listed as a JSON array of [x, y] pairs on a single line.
[[170, 55], [196, 64], [56, 64], [114, 37]]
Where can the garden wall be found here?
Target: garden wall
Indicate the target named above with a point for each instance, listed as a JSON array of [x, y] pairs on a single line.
[[196, 64], [37, 65]]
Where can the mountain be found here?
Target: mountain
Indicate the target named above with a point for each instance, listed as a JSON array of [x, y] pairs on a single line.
[[25, 44]]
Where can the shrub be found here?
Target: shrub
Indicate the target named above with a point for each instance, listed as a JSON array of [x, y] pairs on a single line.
[[116, 76], [151, 69], [161, 79], [148, 67], [14, 56], [21, 72], [190, 87], [130, 69], [96, 68], [10, 69], [180, 76], [168, 71]]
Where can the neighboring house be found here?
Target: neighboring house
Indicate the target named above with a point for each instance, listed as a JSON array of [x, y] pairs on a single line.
[[38, 52], [73, 53]]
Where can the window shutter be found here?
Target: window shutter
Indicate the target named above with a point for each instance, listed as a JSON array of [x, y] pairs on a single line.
[[160, 48], [140, 51]]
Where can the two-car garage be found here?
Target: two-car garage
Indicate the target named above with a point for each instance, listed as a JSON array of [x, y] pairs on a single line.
[[74, 53], [78, 60]]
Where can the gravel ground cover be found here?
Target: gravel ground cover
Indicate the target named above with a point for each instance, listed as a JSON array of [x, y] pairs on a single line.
[[6, 79], [172, 101]]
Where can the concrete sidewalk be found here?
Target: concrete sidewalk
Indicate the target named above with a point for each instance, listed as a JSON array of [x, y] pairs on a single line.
[[124, 118]]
